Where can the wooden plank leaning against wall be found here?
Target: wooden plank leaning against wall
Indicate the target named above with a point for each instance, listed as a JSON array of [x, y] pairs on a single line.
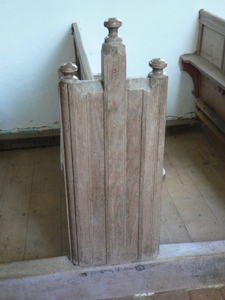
[[113, 143]]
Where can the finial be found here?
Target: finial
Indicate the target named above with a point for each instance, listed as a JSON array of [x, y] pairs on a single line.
[[157, 64], [68, 69], [113, 25]]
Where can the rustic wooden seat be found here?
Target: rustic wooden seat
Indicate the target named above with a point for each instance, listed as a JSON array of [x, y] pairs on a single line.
[[207, 69]]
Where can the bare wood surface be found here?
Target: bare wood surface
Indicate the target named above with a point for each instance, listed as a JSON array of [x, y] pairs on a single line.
[[81, 59], [65, 247], [114, 77], [68, 171], [213, 97], [212, 21], [205, 169], [15, 188], [171, 220], [30, 217], [212, 44], [116, 178], [211, 115], [86, 124], [45, 206], [134, 120], [191, 203], [179, 267], [206, 68]]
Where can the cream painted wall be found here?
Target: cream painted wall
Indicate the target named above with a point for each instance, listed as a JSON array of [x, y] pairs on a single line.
[[35, 40]]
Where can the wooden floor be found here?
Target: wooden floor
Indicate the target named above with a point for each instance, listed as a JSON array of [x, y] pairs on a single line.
[[193, 208], [32, 205], [32, 200]]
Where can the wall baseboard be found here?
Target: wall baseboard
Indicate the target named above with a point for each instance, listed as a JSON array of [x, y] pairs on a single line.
[[48, 138], [182, 125], [24, 140]]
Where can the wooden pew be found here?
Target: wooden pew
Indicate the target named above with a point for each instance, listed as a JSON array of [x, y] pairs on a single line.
[[113, 144], [207, 69]]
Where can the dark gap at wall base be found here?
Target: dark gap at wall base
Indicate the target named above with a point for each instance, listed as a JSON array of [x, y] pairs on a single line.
[[14, 141], [49, 138], [182, 126]]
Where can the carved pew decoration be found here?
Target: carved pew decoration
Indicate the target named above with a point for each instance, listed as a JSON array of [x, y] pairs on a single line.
[[113, 141]]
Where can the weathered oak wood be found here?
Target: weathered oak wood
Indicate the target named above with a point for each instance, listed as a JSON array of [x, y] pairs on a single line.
[[113, 143], [179, 266], [115, 110], [88, 162], [81, 57], [207, 69], [66, 156]]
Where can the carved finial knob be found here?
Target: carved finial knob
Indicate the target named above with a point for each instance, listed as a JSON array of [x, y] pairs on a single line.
[[113, 25], [68, 69], [157, 64]]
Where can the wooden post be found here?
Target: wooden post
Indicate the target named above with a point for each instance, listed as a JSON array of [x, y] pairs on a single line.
[[68, 70], [113, 143], [114, 82]]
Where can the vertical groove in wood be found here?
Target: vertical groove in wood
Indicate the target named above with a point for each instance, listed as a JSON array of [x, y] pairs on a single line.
[[153, 123], [68, 171], [86, 117], [114, 77], [96, 177], [199, 41], [160, 142], [134, 116], [116, 148], [80, 147]]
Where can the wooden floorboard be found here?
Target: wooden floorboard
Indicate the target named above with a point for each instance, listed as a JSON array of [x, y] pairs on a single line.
[[32, 204], [33, 210], [193, 181]]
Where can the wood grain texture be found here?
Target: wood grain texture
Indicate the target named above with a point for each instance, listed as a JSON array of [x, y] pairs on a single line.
[[172, 223], [212, 46], [115, 110], [195, 211], [179, 267], [151, 169], [44, 208], [31, 205], [86, 117], [115, 139], [134, 118], [213, 97], [68, 170], [15, 189], [81, 56], [207, 69]]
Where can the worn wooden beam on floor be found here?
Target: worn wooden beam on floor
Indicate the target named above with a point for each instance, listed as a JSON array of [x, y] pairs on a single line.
[[179, 266], [48, 138]]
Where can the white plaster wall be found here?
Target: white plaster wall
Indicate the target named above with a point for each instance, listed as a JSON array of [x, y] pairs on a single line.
[[35, 40]]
